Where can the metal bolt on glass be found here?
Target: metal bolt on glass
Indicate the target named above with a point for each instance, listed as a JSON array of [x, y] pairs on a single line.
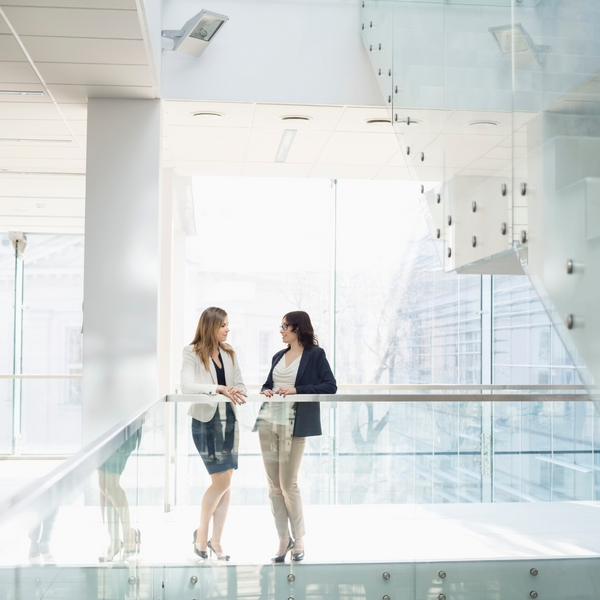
[[441, 574], [386, 575], [473, 241], [379, 71], [131, 580], [408, 120], [291, 577], [422, 189], [386, 597], [533, 572], [570, 321], [449, 219], [422, 156], [370, 48], [523, 236], [523, 189], [438, 233], [449, 252], [407, 150], [442, 597], [474, 206], [371, 24], [503, 228], [569, 272], [396, 117], [193, 580], [533, 594], [396, 90], [380, 46], [438, 198], [389, 72], [363, 26], [503, 189], [389, 98]]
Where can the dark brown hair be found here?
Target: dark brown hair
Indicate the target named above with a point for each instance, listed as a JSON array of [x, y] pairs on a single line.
[[301, 325], [205, 341]]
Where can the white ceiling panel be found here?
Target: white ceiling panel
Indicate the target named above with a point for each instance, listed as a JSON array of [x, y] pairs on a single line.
[[78, 93], [4, 27], [324, 171], [45, 164], [25, 128], [39, 224], [400, 173], [86, 74], [10, 50], [397, 160], [263, 145], [28, 110], [207, 167], [74, 112], [58, 206], [252, 169], [234, 114], [306, 147], [359, 149], [268, 116], [101, 4], [85, 50], [17, 72], [462, 150], [225, 144], [29, 87], [74, 22], [23, 150]]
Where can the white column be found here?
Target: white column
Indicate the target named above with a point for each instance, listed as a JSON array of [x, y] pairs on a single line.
[[121, 276]]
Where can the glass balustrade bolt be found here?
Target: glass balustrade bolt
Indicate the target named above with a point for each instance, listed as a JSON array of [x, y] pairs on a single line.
[[570, 321], [370, 48], [396, 117], [533, 572], [533, 594], [441, 574], [438, 198], [371, 24], [386, 575], [569, 267], [389, 98], [474, 206], [380, 69], [422, 156], [396, 90], [389, 72], [386, 597], [473, 241], [291, 577], [442, 597], [193, 580], [449, 219], [449, 252], [523, 189], [438, 233], [363, 26], [523, 236], [408, 120], [422, 189], [408, 150], [503, 228], [380, 46], [503, 189]]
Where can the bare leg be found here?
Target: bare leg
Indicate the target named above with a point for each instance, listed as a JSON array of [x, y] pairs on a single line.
[[219, 517], [116, 497], [210, 502]]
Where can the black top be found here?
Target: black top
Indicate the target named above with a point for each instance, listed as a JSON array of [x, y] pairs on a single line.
[[314, 377], [220, 371]]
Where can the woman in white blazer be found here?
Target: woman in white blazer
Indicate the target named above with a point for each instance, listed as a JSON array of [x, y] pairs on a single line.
[[210, 367]]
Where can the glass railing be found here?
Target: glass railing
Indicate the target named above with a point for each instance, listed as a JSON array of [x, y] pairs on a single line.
[[414, 492]]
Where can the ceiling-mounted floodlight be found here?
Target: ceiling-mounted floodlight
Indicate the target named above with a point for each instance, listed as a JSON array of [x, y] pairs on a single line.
[[513, 39], [197, 33]]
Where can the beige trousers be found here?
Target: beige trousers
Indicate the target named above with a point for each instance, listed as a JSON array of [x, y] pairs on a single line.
[[282, 455]]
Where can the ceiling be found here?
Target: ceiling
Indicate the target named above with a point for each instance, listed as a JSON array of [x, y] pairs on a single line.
[[74, 49]]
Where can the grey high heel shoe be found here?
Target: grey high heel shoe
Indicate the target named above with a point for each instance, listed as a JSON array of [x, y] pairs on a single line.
[[281, 558], [219, 555], [200, 553]]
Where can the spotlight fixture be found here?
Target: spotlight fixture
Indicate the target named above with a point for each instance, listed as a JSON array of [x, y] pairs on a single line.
[[207, 116], [378, 121], [483, 124], [295, 118], [197, 33], [513, 39]]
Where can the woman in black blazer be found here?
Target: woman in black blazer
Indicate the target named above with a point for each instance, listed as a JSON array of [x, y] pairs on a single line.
[[283, 427]]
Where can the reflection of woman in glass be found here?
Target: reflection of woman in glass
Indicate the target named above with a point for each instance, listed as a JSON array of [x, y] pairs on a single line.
[[114, 503], [301, 368], [210, 367]]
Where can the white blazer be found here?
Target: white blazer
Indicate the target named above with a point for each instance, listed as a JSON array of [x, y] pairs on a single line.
[[195, 379]]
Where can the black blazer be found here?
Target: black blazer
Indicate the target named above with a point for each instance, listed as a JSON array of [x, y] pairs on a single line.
[[314, 377]]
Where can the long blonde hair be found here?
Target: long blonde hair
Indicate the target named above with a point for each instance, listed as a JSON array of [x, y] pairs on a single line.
[[205, 341]]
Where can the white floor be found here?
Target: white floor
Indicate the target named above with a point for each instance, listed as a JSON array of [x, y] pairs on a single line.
[[371, 533]]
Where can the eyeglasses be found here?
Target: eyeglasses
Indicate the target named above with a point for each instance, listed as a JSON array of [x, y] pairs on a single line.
[[284, 326]]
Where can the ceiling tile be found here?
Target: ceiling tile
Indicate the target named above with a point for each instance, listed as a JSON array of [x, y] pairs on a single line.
[[252, 169], [24, 150], [359, 149], [101, 4], [394, 173], [28, 110], [85, 50], [77, 93], [93, 74], [204, 143], [26, 128], [306, 147], [17, 72], [207, 167], [10, 50], [46, 164], [74, 22], [324, 171]]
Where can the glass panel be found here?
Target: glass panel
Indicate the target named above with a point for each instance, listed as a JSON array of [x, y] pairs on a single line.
[[7, 301]]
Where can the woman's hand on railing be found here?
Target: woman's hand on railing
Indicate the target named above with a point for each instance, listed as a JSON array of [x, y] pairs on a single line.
[[236, 395], [286, 390], [267, 393]]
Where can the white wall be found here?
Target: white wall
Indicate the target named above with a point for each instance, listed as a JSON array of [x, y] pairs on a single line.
[[121, 269], [284, 51]]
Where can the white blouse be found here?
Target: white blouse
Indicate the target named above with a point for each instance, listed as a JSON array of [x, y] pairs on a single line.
[[281, 413]]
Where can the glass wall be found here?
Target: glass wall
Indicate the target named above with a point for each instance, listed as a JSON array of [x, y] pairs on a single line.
[[42, 414]]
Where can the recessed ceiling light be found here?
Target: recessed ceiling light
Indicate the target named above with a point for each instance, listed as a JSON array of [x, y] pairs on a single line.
[[207, 116], [378, 121], [20, 93], [284, 145], [295, 118], [483, 124]]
